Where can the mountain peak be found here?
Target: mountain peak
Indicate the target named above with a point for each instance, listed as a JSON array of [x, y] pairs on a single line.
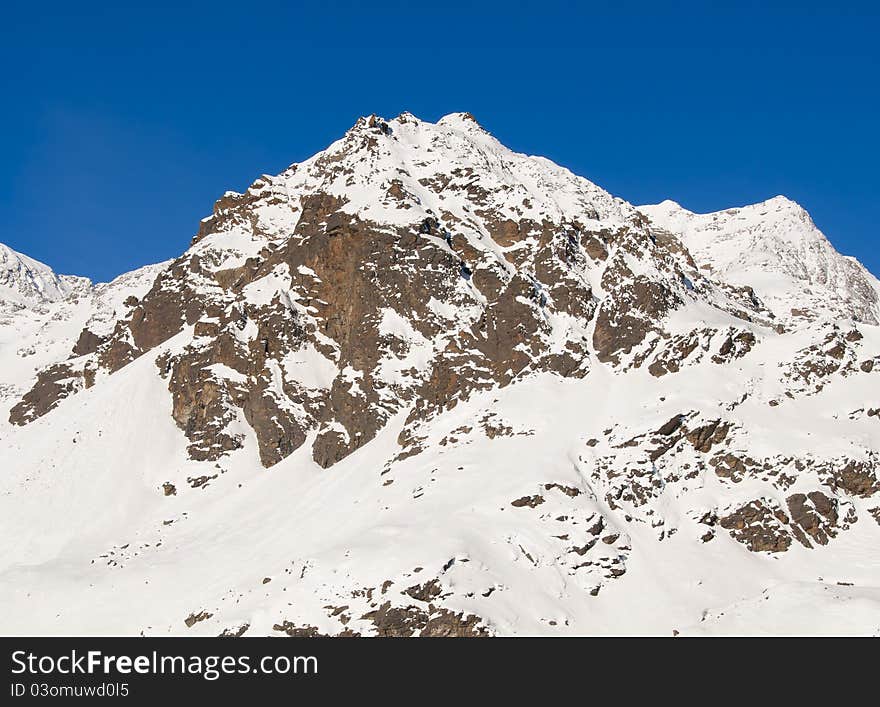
[[24, 280], [777, 203], [407, 117], [780, 200], [459, 121], [464, 121], [780, 206]]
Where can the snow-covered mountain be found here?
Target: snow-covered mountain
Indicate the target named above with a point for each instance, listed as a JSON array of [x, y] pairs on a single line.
[[774, 246], [421, 384], [25, 281]]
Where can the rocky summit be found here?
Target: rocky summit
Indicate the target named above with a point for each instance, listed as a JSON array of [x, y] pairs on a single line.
[[420, 384]]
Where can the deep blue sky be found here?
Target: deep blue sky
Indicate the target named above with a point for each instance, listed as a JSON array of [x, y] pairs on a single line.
[[121, 125]]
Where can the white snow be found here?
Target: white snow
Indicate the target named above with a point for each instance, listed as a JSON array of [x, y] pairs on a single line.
[[775, 247]]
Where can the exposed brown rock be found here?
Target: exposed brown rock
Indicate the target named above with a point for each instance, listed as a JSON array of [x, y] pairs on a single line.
[[705, 437], [731, 466], [425, 592], [236, 632], [53, 385], [195, 618], [735, 346], [759, 527], [569, 491], [671, 426], [816, 515], [295, 631], [856, 478], [528, 501], [624, 321], [401, 622], [88, 342]]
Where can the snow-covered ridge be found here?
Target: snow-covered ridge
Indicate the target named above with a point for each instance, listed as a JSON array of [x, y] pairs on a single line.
[[26, 281], [413, 154], [775, 247], [401, 170]]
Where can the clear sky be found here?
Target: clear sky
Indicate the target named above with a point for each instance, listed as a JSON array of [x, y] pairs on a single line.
[[121, 122]]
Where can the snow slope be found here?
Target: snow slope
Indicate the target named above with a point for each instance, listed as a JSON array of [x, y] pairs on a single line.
[[107, 535]]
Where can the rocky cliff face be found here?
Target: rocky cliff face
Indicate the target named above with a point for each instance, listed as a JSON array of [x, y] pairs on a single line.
[[418, 298]]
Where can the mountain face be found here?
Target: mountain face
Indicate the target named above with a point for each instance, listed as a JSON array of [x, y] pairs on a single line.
[[422, 385], [25, 281], [776, 247]]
